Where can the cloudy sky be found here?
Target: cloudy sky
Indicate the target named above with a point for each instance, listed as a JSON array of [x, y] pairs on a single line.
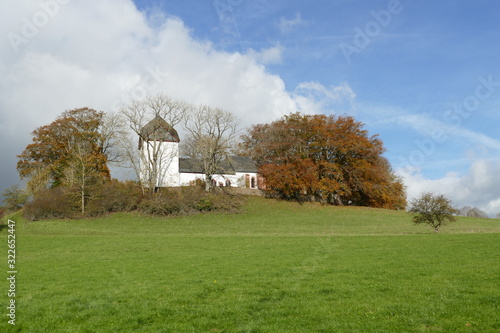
[[423, 75]]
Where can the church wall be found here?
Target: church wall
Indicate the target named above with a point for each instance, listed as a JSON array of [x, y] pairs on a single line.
[[237, 180], [166, 143], [168, 162]]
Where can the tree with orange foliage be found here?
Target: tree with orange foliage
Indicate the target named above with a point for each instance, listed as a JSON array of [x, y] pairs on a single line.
[[71, 151], [324, 158]]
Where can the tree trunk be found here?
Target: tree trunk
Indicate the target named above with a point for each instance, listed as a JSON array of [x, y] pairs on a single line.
[[83, 189], [83, 201], [208, 183]]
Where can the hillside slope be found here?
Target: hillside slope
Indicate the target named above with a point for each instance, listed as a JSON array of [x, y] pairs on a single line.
[[262, 217]]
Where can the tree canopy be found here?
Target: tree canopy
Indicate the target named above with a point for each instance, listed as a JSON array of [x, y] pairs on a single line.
[[433, 209], [211, 134], [325, 158], [68, 151]]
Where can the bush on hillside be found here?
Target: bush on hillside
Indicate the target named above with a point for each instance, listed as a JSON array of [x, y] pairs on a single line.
[[50, 204], [189, 200], [62, 202], [114, 196], [161, 204]]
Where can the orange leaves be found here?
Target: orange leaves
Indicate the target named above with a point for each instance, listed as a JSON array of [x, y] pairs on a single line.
[[71, 141], [324, 158]]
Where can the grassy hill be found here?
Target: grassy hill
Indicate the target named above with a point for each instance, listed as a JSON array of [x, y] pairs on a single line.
[[278, 267]]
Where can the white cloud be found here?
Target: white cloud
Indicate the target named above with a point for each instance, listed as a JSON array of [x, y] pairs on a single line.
[[268, 56], [436, 150], [479, 187], [313, 97], [102, 54], [438, 130], [288, 25]]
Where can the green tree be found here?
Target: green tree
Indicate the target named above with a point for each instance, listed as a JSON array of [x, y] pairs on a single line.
[[14, 198], [433, 209]]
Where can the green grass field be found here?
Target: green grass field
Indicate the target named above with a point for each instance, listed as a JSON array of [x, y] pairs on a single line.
[[278, 267]]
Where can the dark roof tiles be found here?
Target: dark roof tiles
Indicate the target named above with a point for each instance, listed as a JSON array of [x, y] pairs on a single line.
[[230, 166], [159, 130]]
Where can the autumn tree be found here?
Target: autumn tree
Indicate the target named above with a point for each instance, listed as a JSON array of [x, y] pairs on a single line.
[[211, 135], [72, 151], [324, 158], [434, 210], [148, 121]]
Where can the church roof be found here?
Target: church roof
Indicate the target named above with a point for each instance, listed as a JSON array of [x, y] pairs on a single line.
[[243, 164], [230, 166], [159, 130]]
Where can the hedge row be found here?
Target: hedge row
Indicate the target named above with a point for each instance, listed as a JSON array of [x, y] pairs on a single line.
[[117, 196]]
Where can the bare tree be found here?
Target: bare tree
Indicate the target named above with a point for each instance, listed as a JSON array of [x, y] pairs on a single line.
[[472, 212], [111, 131], [211, 135], [79, 174], [149, 120]]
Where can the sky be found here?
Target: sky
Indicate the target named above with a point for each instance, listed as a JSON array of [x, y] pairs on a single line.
[[421, 74]]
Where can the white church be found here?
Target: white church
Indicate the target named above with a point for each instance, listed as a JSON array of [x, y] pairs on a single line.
[[173, 171]]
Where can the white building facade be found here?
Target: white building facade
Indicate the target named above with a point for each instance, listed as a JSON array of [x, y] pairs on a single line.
[[160, 156]]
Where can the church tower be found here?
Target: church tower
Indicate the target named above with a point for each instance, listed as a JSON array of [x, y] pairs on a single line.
[[159, 153]]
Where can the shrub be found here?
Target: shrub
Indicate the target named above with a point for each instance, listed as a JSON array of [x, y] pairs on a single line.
[[62, 202], [204, 204], [49, 204], [189, 200], [114, 196], [161, 204], [220, 201], [223, 202]]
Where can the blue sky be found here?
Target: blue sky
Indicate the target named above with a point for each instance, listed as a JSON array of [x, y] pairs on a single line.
[[418, 61], [423, 75]]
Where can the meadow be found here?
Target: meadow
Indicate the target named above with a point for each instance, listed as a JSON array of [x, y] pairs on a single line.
[[277, 267]]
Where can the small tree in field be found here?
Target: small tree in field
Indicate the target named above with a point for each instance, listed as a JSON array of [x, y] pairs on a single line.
[[14, 198], [432, 209]]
